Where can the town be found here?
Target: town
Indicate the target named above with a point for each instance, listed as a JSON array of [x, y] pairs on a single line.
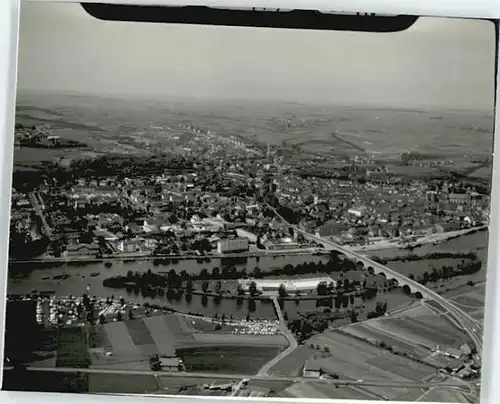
[[201, 206], [240, 265]]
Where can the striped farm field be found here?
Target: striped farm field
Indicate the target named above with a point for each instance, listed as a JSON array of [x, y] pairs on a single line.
[[350, 358], [131, 343]]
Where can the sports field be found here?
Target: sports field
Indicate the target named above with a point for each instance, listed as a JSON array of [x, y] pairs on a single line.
[[227, 359]]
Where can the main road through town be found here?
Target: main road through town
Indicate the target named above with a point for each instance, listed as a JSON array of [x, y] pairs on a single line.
[[458, 385], [468, 323], [39, 211]]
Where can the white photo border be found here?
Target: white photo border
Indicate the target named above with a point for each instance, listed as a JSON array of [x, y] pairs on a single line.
[[9, 33]]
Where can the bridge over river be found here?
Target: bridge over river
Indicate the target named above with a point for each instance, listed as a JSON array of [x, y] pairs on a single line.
[[464, 320]]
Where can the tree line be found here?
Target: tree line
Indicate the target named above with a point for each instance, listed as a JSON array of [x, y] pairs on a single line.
[[429, 256]]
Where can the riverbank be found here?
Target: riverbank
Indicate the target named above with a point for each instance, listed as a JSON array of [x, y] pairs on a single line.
[[394, 244], [436, 238], [171, 258]]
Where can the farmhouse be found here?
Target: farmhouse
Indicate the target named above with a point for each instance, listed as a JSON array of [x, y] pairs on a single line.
[[291, 285], [312, 368], [170, 364]]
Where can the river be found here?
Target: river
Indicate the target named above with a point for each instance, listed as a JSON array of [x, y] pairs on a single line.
[[40, 277]]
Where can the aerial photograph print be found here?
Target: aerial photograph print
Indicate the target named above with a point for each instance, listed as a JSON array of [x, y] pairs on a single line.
[[249, 212]]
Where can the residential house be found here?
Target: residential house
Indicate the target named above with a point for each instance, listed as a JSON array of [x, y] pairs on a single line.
[[129, 246], [151, 225], [466, 349], [82, 250], [446, 227], [149, 243], [106, 220]]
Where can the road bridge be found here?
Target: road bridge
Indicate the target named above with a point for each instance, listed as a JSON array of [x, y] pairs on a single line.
[[466, 322]]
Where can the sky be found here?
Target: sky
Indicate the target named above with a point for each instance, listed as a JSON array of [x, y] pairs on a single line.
[[443, 63]]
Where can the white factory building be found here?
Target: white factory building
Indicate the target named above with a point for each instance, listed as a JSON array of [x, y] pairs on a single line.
[[291, 285]]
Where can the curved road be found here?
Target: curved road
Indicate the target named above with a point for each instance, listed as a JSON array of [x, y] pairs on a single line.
[[466, 321], [288, 335]]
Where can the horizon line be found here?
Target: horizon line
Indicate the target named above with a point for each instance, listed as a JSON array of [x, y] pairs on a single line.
[[175, 97]]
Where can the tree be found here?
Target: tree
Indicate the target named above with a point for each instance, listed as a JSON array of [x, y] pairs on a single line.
[[252, 288], [218, 287], [240, 290], [216, 273], [282, 290], [257, 272], [251, 306], [345, 301], [338, 302], [354, 317], [189, 286], [322, 288]]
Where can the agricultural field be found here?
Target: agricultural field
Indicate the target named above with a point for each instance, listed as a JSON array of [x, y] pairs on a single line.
[[469, 297], [325, 392], [129, 344], [72, 348], [122, 384], [417, 332], [292, 364], [440, 395], [58, 347], [39, 381], [349, 358]]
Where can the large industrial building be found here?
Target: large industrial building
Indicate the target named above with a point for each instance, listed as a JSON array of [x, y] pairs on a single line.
[[232, 246], [291, 285]]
